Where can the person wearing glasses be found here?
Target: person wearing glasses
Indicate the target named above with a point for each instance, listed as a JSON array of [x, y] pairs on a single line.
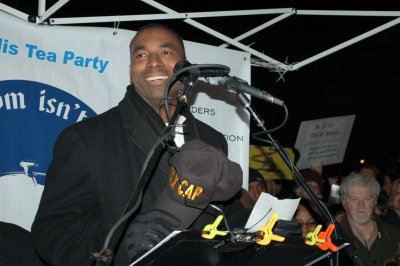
[[307, 216]]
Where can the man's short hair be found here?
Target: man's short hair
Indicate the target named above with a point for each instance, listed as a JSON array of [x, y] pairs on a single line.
[[160, 26], [356, 180], [255, 175]]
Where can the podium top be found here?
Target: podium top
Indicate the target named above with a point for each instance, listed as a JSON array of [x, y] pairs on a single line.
[[189, 248]]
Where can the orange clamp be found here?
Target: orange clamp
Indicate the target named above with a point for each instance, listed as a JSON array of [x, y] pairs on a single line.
[[327, 237]]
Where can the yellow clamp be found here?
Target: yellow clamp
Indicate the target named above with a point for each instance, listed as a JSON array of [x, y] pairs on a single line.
[[312, 237], [266, 232], [210, 230]]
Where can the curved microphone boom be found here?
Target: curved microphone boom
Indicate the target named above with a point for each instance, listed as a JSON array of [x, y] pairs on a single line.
[[184, 69], [188, 74], [218, 75]]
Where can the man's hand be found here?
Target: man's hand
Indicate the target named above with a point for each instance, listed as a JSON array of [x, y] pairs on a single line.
[[147, 230]]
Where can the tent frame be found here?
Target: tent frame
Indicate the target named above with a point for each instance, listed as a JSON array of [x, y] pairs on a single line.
[[259, 58]]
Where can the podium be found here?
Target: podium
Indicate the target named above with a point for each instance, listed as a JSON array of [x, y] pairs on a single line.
[[188, 248]]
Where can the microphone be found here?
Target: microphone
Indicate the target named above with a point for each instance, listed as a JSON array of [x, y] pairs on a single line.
[[184, 69], [239, 85]]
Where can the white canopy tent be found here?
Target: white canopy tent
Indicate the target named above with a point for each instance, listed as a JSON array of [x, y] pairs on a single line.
[[45, 16]]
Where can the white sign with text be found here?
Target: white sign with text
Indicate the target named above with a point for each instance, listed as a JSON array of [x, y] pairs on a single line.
[[323, 141]]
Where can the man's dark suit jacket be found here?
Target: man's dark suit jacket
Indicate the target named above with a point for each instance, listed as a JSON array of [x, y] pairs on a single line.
[[96, 165]]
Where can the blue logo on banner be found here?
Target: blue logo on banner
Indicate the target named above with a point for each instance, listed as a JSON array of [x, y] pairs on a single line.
[[32, 114]]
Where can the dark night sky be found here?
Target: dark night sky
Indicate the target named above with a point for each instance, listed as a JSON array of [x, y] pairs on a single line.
[[362, 79]]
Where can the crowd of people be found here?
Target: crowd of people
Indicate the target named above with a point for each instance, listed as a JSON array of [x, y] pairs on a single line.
[[84, 196], [368, 210]]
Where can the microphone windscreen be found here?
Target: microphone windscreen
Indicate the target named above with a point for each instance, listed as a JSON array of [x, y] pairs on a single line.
[[181, 64], [199, 174]]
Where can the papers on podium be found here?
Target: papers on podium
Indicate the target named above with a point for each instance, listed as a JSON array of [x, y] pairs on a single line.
[[267, 205]]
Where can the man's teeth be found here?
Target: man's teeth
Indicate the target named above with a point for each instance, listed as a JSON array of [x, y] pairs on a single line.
[[157, 78]]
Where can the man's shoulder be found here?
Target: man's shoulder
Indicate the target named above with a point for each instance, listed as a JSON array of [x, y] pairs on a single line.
[[345, 226], [93, 126], [97, 120]]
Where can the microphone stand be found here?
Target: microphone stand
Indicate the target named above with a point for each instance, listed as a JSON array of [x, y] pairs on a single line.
[[350, 250], [105, 256]]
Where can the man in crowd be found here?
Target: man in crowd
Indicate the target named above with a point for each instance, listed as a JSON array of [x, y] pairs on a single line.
[[315, 183], [375, 240], [257, 184]]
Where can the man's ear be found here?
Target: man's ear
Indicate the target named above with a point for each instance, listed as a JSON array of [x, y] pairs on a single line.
[[342, 201], [130, 74]]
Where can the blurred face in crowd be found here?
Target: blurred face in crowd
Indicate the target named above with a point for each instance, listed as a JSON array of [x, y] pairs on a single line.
[[154, 53], [308, 223], [273, 187], [255, 189], [387, 185], [359, 204], [370, 171], [396, 198], [314, 187]]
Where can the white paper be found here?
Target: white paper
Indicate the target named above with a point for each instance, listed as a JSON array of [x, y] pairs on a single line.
[[174, 233], [267, 205]]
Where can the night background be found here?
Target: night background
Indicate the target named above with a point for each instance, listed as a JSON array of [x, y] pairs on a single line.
[[362, 79]]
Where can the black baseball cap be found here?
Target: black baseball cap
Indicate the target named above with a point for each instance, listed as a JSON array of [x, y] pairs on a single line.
[[199, 174]]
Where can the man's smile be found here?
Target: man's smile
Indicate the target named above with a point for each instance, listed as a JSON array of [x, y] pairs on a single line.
[[156, 78]]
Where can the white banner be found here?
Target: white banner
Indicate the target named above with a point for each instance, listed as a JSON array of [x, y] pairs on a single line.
[[53, 76]]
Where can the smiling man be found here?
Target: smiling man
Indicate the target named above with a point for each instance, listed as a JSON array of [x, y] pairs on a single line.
[[154, 54], [97, 163], [375, 240]]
